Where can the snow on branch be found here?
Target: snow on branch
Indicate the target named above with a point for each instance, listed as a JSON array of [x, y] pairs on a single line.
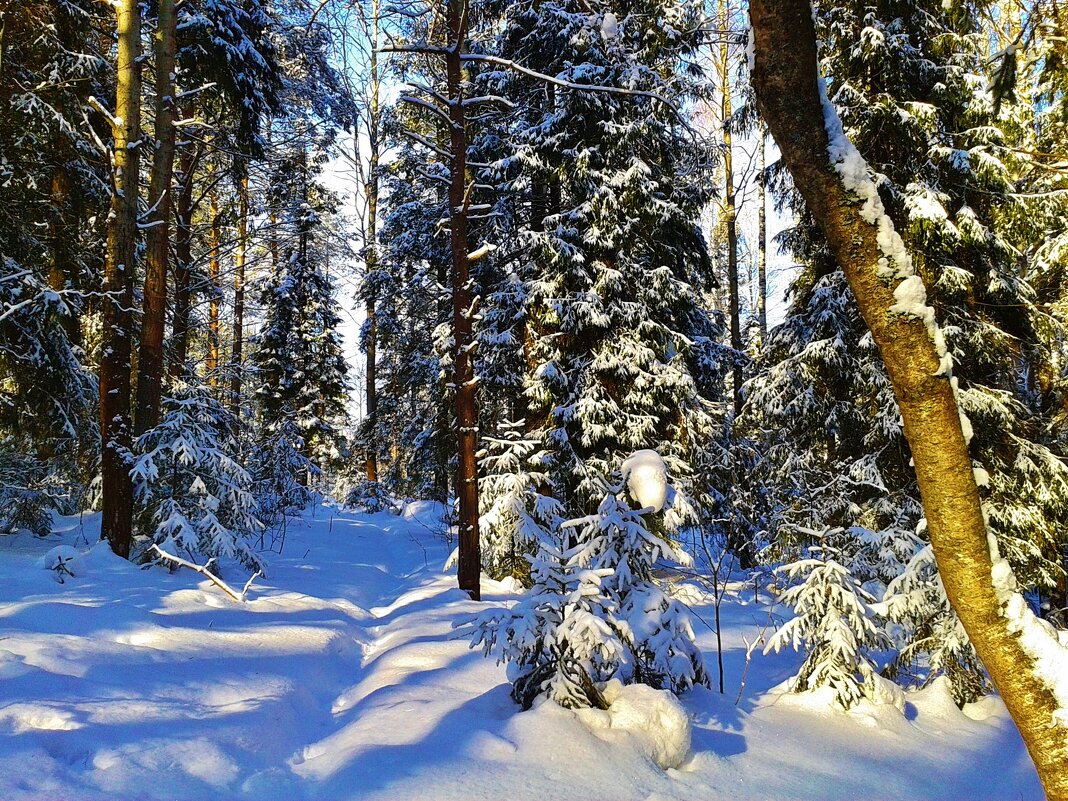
[[203, 570]]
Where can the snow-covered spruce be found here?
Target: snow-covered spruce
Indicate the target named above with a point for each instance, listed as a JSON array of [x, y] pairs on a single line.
[[594, 613], [833, 623], [516, 518], [196, 497]]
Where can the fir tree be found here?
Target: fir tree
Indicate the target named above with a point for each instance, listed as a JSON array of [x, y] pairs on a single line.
[[195, 495]]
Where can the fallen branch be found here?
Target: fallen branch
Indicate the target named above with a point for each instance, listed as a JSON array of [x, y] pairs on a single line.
[[203, 570]]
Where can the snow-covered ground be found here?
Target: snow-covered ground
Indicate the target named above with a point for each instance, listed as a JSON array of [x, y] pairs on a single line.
[[341, 678]]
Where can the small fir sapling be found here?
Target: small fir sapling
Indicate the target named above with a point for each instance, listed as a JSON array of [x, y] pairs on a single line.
[[195, 496], [834, 625], [516, 517], [594, 613]]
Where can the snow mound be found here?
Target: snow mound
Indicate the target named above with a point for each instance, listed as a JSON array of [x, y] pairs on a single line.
[[65, 560], [646, 477], [654, 720]]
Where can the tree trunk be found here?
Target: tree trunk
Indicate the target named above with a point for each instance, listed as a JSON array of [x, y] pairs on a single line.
[[371, 252], [212, 362], [183, 256], [730, 212], [60, 277], [470, 561], [115, 434], [786, 79], [237, 352], [762, 245], [158, 236]]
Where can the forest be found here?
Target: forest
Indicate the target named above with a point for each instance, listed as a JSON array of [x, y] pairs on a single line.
[[393, 392]]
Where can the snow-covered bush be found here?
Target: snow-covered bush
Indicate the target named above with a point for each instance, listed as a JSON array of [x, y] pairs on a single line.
[[195, 496], [558, 640], [656, 629], [365, 496], [832, 623], [594, 614]]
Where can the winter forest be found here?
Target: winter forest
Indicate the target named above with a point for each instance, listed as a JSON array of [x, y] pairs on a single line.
[[541, 399]]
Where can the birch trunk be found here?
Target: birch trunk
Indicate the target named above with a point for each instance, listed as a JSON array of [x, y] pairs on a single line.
[[786, 80]]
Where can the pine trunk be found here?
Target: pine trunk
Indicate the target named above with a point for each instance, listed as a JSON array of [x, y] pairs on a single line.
[[115, 350], [183, 256], [158, 235], [237, 352], [371, 254], [214, 338], [470, 562], [786, 80]]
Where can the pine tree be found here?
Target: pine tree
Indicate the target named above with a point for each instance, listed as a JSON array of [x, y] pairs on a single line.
[[300, 368]]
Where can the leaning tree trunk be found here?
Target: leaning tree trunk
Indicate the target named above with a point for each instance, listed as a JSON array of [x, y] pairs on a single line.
[[115, 349], [158, 235], [469, 566], [787, 83]]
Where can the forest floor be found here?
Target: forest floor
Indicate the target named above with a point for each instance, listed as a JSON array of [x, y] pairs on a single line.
[[341, 678]]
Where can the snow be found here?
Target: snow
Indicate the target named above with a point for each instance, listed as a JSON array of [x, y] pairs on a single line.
[[654, 720], [1037, 637], [609, 26], [341, 678], [646, 475]]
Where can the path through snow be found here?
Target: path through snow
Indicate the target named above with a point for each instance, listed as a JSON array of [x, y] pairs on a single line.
[[340, 679]]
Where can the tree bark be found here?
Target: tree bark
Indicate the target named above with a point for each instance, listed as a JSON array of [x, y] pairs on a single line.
[[371, 252], [237, 351], [786, 79], [115, 367], [158, 236], [213, 358], [183, 256], [730, 211], [470, 562], [762, 245]]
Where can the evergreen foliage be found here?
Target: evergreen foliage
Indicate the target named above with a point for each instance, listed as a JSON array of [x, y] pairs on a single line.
[[196, 497]]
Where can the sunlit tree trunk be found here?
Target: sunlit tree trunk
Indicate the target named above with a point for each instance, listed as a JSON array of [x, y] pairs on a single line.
[[214, 300], [762, 245], [470, 563], [158, 234], [115, 350], [786, 79], [730, 212], [237, 352]]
